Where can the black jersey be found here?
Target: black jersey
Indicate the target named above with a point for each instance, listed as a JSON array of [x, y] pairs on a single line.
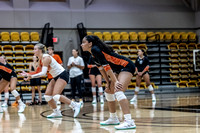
[[94, 70], [5, 72], [13, 70], [117, 62], [141, 64]]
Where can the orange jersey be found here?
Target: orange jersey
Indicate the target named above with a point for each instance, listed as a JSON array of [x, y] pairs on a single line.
[[58, 59]]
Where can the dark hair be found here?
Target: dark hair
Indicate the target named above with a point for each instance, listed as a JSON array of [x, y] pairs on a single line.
[[96, 41], [52, 48], [144, 52], [76, 51]]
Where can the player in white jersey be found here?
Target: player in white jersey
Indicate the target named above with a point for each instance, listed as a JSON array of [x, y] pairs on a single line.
[[56, 85]]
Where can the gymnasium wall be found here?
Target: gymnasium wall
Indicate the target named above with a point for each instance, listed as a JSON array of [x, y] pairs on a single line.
[[100, 14]]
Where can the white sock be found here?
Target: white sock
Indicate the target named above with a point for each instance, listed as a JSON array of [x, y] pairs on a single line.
[[135, 96], [5, 101], [113, 115], [94, 97], [101, 96], [127, 117], [20, 102], [153, 96]]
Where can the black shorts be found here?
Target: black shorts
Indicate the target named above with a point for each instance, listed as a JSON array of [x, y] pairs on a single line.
[[144, 73], [94, 71], [35, 81], [13, 74], [64, 75], [6, 76], [130, 67]]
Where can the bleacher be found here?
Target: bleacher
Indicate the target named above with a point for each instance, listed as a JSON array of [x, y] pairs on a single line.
[[18, 49], [170, 54]]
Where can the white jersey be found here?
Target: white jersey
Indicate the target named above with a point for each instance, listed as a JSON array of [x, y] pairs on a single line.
[[55, 68]]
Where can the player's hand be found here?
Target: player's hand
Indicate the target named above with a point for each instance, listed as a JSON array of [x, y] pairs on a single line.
[[27, 78], [73, 64], [140, 74], [24, 74], [118, 86], [107, 86]]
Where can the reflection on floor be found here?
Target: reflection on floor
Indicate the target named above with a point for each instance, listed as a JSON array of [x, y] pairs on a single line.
[[172, 113]]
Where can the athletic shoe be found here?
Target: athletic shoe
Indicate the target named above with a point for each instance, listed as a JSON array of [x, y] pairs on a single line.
[[56, 114], [94, 101], [15, 104], [81, 102], [21, 107], [4, 104], [110, 121], [58, 102], [77, 109], [134, 99], [101, 101], [126, 125]]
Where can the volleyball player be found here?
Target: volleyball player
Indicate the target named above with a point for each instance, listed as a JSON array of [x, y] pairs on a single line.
[[142, 71], [109, 62], [58, 59], [9, 76], [56, 85], [95, 75]]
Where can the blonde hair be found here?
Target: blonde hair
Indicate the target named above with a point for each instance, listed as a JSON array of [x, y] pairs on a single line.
[[41, 47]]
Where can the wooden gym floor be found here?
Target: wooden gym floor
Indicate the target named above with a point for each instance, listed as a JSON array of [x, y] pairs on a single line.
[[172, 113]]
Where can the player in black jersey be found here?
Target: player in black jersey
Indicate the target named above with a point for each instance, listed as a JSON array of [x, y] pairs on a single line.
[[142, 71], [109, 63], [95, 75], [9, 76]]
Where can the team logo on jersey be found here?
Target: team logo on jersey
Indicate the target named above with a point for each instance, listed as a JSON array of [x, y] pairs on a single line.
[[140, 62]]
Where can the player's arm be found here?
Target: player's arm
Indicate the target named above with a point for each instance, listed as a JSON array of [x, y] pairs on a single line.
[[44, 68], [108, 71], [147, 65]]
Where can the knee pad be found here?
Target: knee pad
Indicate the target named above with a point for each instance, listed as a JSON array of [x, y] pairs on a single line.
[[56, 97], [137, 89], [47, 98], [110, 97], [93, 89], [15, 93], [100, 89], [6, 95], [120, 95], [150, 88]]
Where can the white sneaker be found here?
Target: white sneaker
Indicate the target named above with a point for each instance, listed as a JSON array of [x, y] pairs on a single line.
[[110, 121], [94, 101], [58, 102], [77, 109], [101, 101], [134, 99], [4, 104], [56, 114], [81, 102], [21, 107], [126, 125]]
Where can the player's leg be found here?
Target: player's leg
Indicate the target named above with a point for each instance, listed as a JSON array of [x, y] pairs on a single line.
[[125, 79], [150, 87], [137, 88], [100, 88]]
